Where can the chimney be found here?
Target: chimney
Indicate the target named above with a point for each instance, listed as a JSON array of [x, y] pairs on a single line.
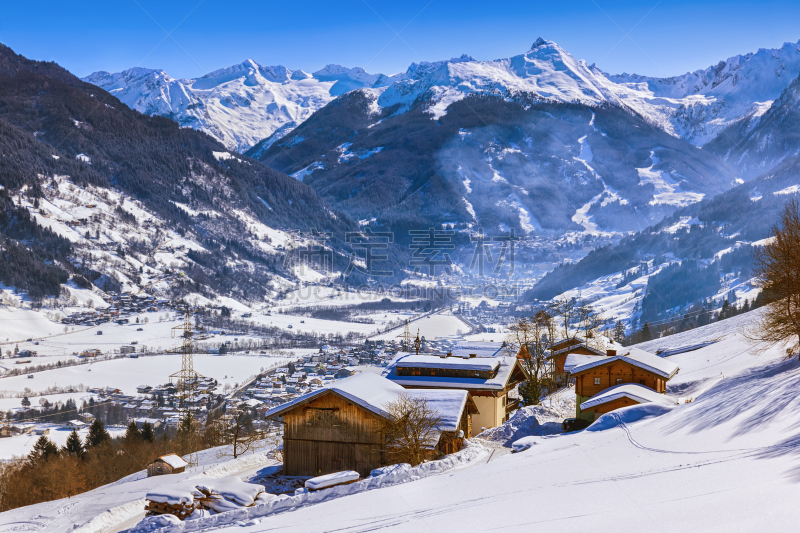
[[611, 353], [473, 355]]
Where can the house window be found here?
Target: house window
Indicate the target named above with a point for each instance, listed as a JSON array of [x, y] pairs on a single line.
[[641, 382], [619, 380], [597, 381]]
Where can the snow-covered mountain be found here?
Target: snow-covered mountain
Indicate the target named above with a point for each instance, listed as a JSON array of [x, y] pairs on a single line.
[[741, 88], [246, 103], [239, 105]]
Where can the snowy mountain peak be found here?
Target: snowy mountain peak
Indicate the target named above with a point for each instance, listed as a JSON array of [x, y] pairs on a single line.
[[245, 103], [540, 42], [238, 105]]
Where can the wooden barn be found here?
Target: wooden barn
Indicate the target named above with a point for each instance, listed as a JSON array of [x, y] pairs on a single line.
[[488, 375], [338, 427], [166, 464], [595, 376]]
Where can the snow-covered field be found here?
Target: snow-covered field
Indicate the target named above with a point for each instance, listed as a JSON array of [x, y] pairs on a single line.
[[127, 374], [726, 461], [431, 327], [23, 444]]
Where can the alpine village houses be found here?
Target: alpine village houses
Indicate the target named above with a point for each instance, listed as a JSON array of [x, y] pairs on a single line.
[[611, 381], [478, 367], [338, 427]]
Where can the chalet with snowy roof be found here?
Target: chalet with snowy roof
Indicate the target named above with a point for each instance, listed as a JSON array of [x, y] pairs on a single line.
[[559, 351], [488, 377], [599, 380], [166, 464], [9, 431], [338, 427]]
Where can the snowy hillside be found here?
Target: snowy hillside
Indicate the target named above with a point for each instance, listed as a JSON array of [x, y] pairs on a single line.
[[691, 467], [239, 105], [724, 453]]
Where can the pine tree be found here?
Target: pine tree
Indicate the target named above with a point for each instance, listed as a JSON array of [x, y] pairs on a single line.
[[186, 434], [43, 450], [26, 402], [147, 433], [646, 335], [725, 311], [619, 332], [132, 434], [97, 435], [74, 446]]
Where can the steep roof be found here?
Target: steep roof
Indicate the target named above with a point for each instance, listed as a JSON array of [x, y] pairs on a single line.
[[634, 391], [577, 363], [479, 348], [488, 364], [372, 392], [505, 370], [175, 461]]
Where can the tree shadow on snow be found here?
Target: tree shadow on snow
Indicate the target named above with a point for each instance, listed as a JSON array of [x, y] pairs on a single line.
[[752, 398]]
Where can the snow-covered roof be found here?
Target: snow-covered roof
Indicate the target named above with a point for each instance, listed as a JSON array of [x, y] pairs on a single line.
[[634, 391], [487, 364], [175, 461], [373, 392], [576, 363], [498, 382], [330, 480], [480, 348]]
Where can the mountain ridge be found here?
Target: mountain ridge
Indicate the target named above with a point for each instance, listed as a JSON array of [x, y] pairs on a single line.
[[696, 106]]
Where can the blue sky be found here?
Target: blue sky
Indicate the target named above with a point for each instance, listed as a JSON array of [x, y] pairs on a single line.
[[191, 38]]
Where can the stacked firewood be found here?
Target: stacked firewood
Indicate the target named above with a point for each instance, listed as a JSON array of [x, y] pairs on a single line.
[[206, 496], [181, 510]]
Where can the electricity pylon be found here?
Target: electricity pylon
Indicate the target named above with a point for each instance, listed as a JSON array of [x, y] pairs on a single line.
[[187, 376], [407, 339]]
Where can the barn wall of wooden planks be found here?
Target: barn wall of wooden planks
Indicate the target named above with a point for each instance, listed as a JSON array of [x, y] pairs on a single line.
[[328, 435]]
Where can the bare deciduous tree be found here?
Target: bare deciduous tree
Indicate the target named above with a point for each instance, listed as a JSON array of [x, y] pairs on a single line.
[[532, 338], [411, 430], [777, 267], [237, 433]]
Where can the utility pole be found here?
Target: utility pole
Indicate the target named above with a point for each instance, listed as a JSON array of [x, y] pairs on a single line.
[[187, 376], [406, 338]]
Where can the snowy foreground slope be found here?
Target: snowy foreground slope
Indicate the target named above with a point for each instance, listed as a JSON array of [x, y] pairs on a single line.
[[727, 461]]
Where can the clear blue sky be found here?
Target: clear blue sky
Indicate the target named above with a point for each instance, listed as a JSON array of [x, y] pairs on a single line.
[[191, 38]]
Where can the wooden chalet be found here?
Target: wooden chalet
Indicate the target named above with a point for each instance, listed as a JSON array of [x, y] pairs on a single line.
[[488, 375], [338, 427], [9, 431], [595, 376], [621, 396], [166, 464], [558, 355]]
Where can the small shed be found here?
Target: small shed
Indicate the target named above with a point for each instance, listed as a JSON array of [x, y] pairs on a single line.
[[166, 464]]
